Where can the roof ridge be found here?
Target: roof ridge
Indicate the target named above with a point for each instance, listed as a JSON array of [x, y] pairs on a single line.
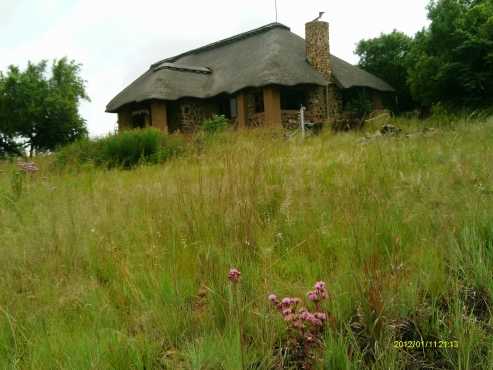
[[223, 42]]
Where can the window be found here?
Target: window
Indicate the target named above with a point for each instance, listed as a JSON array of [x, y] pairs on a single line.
[[224, 106], [140, 118], [233, 109], [259, 101], [292, 98]]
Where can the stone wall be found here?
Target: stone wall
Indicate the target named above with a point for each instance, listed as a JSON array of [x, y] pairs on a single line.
[[318, 48], [256, 120], [192, 112], [323, 103], [315, 104], [290, 119], [185, 115]]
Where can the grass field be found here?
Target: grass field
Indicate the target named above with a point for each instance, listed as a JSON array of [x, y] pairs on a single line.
[[113, 269]]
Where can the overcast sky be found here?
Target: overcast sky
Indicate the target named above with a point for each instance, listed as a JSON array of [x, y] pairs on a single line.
[[116, 41]]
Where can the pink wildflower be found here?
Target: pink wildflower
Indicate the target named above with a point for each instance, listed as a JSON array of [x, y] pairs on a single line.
[[321, 289], [289, 317], [313, 296], [286, 302], [305, 315], [287, 311], [316, 321], [273, 298], [28, 167], [321, 316], [234, 275]]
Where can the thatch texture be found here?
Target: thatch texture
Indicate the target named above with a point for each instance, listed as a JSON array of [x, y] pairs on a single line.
[[268, 55]]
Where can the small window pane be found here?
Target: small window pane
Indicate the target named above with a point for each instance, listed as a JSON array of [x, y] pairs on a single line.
[[233, 107], [259, 102]]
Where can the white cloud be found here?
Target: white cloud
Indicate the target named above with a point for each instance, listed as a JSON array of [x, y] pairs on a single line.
[[117, 40]]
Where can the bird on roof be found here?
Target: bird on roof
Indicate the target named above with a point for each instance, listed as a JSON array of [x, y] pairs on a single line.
[[320, 15]]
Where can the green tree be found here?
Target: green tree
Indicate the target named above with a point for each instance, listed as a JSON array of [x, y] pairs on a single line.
[[387, 57], [452, 60], [41, 111], [7, 132]]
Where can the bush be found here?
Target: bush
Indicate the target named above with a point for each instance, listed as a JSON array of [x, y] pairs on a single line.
[[126, 149], [77, 153], [215, 124]]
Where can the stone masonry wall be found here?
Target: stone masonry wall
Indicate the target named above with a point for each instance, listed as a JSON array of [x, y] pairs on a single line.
[[315, 103], [192, 112], [323, 103], [318, 48]]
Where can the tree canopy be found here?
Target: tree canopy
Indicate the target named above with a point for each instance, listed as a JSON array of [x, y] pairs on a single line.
[[450, 61], [386, 57], [40, 111]]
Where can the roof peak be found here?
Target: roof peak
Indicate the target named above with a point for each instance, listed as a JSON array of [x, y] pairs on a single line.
[[223, 42]]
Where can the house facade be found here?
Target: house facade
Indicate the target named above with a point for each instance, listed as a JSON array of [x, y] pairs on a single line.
[[258, 78]]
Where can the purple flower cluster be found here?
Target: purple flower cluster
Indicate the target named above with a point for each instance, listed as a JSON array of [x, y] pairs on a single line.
[[234, 275], [305, 328], [28, 167], [318, 293], [295, 314], [299, 316]]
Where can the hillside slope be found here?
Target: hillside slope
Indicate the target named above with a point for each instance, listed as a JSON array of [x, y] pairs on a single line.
[[128, 269]]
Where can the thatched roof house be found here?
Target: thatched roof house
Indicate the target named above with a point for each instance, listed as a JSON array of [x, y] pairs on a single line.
[[258, 77]]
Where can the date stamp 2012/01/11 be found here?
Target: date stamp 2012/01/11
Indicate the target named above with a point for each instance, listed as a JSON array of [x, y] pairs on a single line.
[[426, 344]]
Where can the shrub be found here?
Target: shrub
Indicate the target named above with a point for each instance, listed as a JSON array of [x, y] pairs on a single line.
[[215, 124], [126, 149], [77, 153]]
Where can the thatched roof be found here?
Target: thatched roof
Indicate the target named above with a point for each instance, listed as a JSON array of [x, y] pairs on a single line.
[[268, 55]]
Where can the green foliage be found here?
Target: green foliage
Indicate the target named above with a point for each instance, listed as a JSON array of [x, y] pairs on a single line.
[[452, 59], [126, 149], [450, 62], [387, 56], [215, 124], [8, 146], [38, 110]]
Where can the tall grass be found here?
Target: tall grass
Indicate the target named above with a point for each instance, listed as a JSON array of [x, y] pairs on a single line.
[[111, 269], [123, 150]]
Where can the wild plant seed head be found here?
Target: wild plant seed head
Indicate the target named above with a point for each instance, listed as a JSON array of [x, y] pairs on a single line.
[[273, 299], [234, 275], [313, 296]]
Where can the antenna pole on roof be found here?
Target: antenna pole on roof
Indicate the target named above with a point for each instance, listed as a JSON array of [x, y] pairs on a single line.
[[275, 5]]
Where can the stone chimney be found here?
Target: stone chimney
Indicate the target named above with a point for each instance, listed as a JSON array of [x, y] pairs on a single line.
[[317, 47]]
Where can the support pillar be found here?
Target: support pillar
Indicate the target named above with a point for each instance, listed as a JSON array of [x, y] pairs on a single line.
[[124, 120], [242, 110], [272, 106], [159, 115]]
